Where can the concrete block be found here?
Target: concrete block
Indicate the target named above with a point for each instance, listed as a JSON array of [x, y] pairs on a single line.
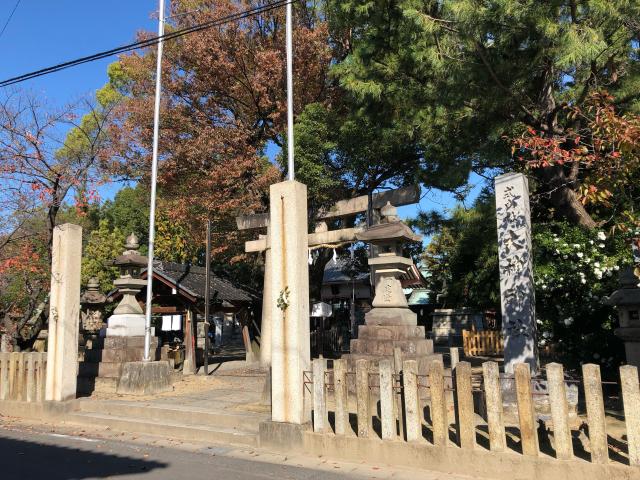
[[281, 435], [144, 378]]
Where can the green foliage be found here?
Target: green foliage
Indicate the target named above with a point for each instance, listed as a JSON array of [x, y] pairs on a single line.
[[462, 257], [129, 212], [453, 78], [103, 246], [575, 270]]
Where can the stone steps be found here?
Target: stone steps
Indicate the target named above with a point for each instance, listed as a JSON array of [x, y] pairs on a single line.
[[247, 422], [167, 429]]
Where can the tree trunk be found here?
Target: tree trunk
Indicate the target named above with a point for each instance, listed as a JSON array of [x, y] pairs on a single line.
[[564, 199], [316, 273]]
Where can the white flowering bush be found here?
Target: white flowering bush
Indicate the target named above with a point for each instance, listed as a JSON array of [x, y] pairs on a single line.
[[575, 270]]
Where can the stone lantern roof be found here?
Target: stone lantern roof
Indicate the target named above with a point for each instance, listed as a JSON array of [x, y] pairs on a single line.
[[388, 232], [628, 294], [131, 256], [92, 295]]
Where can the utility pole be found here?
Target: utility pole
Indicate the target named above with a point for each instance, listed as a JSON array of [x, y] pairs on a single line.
[[154, 176], [289, 25], [207, 298]]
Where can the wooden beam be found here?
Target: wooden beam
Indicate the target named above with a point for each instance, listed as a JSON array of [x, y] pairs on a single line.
[[343, 208]]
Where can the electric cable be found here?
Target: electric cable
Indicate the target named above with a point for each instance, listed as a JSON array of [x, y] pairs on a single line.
[[150, 41], [15, 7]]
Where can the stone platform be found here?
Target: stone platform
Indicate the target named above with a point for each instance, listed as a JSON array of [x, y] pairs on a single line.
[[104, 358], [376, 342]]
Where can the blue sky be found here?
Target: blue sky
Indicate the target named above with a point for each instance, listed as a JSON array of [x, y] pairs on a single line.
[[43, 33]]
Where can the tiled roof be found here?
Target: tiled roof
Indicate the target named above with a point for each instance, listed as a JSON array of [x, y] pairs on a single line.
[[192, 280]]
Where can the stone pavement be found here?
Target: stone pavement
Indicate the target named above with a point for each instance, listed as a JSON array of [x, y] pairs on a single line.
[[56, 452]]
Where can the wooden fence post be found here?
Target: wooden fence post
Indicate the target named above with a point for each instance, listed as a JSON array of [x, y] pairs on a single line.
[[631, 399], [387, 416], [319, 396], [493, 399], [465, 416], [397, 367], [4, 376], [14, 359], [526, 412], [31, 377], [41, 376], [412, 415], [362, 397], [439, 418], [340, 393], [559, 411], [595, 413]]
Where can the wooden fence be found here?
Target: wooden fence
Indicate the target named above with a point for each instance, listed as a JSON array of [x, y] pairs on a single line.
[[23, 376], [488, 342], [468, 410]]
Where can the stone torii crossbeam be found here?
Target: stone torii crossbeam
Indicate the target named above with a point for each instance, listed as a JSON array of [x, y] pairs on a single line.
[[321, 236]]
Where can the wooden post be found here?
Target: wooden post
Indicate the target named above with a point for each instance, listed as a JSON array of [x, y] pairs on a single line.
[[412, 414], [559, 411], [397, 366], [190, 366], [595, 413], [340, 393], [31, 377], [438, 403], [41, 376], [4, 376], [493, 398], [465, 416], [362, 397], [454, 354], [387, 416], [14, 359], [631, 399], [320, 421], [21, 381], [207, 300], [526, 413]]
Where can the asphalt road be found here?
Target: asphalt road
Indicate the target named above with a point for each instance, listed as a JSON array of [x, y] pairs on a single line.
[[28, 453]]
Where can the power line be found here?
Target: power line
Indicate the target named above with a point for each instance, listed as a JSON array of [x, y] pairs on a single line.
[[149, 42], [10, 17]]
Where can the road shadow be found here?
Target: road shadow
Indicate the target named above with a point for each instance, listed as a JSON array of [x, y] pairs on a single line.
[[23, 460]]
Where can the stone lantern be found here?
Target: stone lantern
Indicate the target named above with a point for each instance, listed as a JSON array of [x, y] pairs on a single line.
[[390, 323], [627, 301], [128, 318], [93, 301]]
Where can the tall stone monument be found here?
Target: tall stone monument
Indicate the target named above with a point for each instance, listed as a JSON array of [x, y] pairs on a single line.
[[516, 273]]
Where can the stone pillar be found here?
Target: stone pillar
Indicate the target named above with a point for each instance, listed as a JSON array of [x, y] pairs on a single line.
[[516, 274], [290, 350], [265, 327], [64, 313]]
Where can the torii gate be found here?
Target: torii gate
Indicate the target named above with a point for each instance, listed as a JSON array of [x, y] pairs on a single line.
[[321, 236]]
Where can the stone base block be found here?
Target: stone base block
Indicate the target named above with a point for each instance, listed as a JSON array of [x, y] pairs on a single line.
[[391, 332], [144, 378], [385, 347], [102, 369], [391, 316], [126, 354], [289, 436], [120, 342], [125, 325]]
